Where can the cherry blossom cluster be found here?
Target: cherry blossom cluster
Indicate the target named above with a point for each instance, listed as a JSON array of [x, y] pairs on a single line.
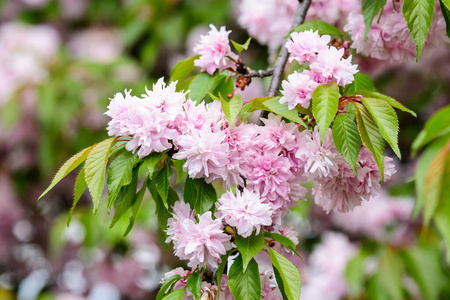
[[389, 38], [326, 65]]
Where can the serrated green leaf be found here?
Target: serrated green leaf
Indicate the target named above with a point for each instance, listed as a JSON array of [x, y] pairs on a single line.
[[125, 198], [135, 207], [386, 119], [119, 174], [283, 240], [80, 187], [166, 285], [224, 87], [200, 195], [178, 167], [231, 108], [244, 284], [436, 183], [162, 213], [240, 47], [445, 8], [418, 15], [203, 83], [436, 126], [371, 136], [245, 112], [68, 167], [273, 104], [317, 25], [95, 169], [162, 182], [182, 69], [152, 161], [194, 284], [347, 140], [391, 101], [249, 246], [220, 269], [289, 274], [325, 105], [175, 295], [361, 82], [370, 8], [280, 283]]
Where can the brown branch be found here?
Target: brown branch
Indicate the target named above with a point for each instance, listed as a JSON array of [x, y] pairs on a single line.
[[280, 63], [260, 73]]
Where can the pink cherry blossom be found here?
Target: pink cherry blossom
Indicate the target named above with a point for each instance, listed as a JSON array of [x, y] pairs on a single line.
[[214, 50], [203, 242], [181, 212], [298, 89], [331, 65], [245, 211], [306, 45]]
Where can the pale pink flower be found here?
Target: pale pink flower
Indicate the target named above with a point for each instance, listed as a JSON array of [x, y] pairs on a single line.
[[346, 190], [245, 211], [165, 99], [332, 11], [118, 108], [318, 160], [100, 45], [181, 212], [331, 65], [306, 45], [203, 242], [277, 135], [205, 152], [214, 50], [298, 89]]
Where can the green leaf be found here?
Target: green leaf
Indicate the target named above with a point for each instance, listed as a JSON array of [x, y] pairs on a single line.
[[421, 171], [220, 269], [370, 8], [152, 161], [437, 189], [274, 105], [370, 136], [224, 87], [289, 275], [437, 125], [386, 118], [80, 187], [203, 83], [200, 195], [125, 198], [68, 167], [361, 82], [162, 182], [325, 105], [244, 284], [317, 25], [95, 169], [175, 295], [354, 273], [178, 167], [249, 246], [245, 112], [283, 240], [347, 140], [194, 284], [418, 15], [231, 108], [445, 8], [441, 219], [182, 69], [424, 265], [135, 207], [390, 274], [119, 174], [279, 281], [162, 213], [446, 3], [391, 101], [166, 285], [240, 47]]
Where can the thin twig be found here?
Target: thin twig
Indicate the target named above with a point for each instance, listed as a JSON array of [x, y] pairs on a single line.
[[260, 73], [280, 63]]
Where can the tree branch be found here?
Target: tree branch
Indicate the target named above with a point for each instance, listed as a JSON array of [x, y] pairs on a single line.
[[260, 73], [280, 63]]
